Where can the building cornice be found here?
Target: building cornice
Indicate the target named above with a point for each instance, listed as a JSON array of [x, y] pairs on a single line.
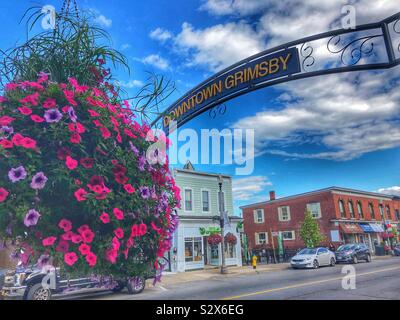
[[338, 190]]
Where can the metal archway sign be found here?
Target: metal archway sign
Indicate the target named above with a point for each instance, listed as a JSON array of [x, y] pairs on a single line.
[[366, 47]]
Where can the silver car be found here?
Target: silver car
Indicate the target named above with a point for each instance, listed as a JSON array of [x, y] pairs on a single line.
[[313, 258]]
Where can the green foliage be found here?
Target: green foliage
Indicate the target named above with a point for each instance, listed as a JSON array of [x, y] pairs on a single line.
[[74, 48], [310, 232]]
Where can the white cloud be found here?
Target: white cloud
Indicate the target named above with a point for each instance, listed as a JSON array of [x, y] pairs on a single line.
[[102, 21], [346, 115], [125, 46], [160, 34], [228, 7], [156, 61], [394, 190], [131, 83], [250, 188], [271, 23], [218, 46], [349, 114]]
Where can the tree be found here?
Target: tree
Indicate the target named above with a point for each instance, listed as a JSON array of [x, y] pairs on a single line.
[[310, 232]]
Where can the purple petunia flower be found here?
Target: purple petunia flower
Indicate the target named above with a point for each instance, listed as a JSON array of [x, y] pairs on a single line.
[[43, 260], [5, 132], [145, 192], [133, 148], [52, 115], [38, 181], [142, 162], [17, 174], [72, 114], [31, 218]]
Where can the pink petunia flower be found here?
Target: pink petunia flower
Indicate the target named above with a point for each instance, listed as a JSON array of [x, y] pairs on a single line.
[[3, 194], [128, 188], [119, 233], [71, 163], [25, 111], [105, 218], [70, 258], [80, 194], [91, 259], [49, 241], [119, 214], [65, 224], [37, 119], [84, 249]]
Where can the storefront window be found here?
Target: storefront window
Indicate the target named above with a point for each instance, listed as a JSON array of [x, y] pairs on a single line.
[[359, 208], [193, 249], [351, 209], [371, 210], [206, 200], [341, 209], [381, 212], [188, 200], [230, 251], [389, 214]]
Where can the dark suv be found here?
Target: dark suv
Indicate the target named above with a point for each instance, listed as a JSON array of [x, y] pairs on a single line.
[[353, 252], [35, 284]]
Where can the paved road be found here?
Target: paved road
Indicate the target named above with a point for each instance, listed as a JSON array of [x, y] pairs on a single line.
[[379, 279]]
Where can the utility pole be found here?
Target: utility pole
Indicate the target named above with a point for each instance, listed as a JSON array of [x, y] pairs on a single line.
[[273, 245], [222, 224]]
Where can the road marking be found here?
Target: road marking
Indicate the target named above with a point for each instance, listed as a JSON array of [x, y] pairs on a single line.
[[162, 288], [304, 284]]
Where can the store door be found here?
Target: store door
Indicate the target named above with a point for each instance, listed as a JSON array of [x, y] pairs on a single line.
[[214, 255]]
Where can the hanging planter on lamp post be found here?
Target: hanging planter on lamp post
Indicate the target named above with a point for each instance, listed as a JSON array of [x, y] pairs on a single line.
[[214, 239], [230, 238]]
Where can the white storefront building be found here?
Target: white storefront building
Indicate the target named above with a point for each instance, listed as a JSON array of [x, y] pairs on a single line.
[[198, 216]]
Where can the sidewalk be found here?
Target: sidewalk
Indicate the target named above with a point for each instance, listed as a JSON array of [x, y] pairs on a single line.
[[214, 273]]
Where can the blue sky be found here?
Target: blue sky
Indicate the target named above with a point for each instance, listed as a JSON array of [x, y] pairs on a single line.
[[340, 130]]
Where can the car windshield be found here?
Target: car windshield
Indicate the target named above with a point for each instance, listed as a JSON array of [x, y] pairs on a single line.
[[346, 247], [308, 251]]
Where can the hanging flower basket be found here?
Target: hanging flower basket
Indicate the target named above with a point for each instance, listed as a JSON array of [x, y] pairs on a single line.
[[214, 239], [230, 238], [75, 184]]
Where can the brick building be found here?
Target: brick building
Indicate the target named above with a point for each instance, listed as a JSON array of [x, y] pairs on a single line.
[[344, 216]]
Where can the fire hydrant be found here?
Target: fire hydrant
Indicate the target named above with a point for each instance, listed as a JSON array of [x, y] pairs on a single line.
[[254, 262]]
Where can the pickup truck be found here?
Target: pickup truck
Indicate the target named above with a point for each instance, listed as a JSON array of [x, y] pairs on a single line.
[[38, 284]]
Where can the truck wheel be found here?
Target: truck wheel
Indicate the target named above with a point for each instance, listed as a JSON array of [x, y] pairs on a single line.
[[136, 285], [119, 287], [37, 292]]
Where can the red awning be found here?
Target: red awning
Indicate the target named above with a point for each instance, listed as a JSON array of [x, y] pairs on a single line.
[[351, 228]]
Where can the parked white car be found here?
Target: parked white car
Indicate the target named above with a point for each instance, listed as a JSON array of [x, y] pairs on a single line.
[[313, 258]]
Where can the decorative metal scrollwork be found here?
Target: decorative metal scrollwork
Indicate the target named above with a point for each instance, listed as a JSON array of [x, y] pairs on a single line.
[[357, 48], [217, 110], [306, 52], [396, 29]]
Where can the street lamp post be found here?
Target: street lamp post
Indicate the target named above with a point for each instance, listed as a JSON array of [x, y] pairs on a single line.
[[222, 223]]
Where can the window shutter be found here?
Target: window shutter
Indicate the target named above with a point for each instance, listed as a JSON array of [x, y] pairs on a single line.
[[280, 213], [288, 213], [255, 216]]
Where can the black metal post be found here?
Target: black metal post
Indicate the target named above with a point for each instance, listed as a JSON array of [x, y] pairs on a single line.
[[222, 223]]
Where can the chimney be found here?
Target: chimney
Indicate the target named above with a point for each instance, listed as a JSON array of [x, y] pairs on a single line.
[[272, 195]]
